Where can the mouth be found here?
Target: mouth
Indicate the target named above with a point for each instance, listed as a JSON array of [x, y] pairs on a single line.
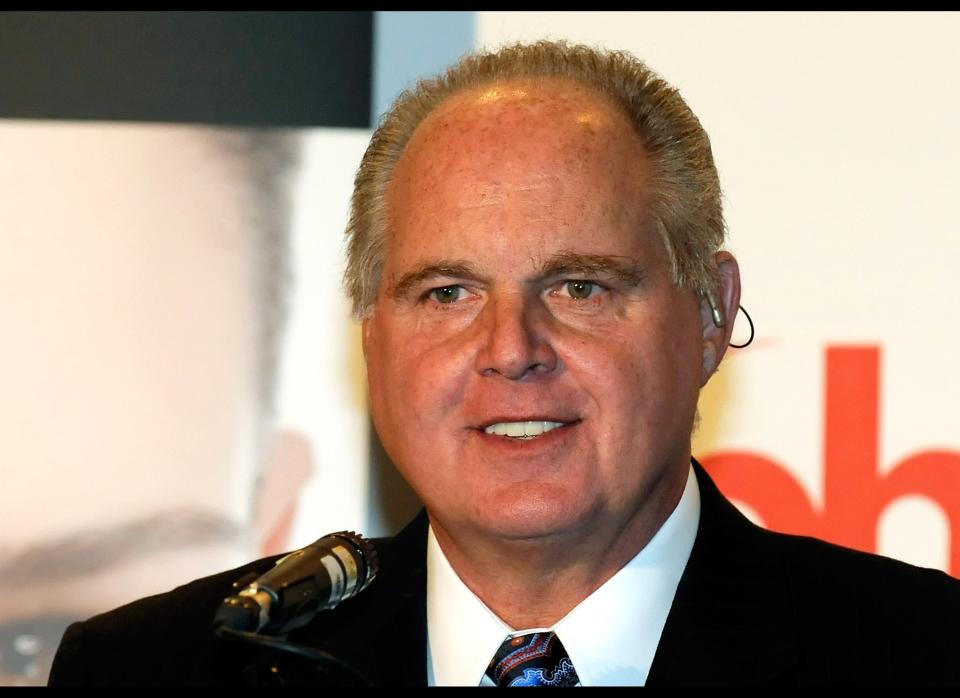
[[524, 430]]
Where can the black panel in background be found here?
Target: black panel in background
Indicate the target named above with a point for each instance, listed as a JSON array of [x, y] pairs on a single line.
[[230, 68]]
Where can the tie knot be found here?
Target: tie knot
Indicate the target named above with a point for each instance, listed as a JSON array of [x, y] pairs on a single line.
[[536, 659]]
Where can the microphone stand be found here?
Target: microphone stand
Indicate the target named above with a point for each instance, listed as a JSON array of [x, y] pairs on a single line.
[[269, 668]]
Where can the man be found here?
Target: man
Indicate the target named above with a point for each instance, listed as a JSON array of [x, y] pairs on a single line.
[[142, 275], [535, 255]]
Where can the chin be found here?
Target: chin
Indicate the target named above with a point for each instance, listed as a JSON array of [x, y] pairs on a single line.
[[532, 511]]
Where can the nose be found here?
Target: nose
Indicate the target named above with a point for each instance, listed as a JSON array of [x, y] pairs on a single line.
[[516, 342]]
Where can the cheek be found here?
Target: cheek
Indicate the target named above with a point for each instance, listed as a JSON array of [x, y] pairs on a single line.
[[634, 375], [413, 377], [670, 369]]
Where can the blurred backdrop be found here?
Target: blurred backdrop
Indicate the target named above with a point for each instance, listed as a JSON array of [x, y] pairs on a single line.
[[183, 387]]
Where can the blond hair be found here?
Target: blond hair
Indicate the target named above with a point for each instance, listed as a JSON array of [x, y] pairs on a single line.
[[685, 206]]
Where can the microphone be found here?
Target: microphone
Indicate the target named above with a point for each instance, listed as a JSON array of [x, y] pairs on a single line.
[[300, 585]]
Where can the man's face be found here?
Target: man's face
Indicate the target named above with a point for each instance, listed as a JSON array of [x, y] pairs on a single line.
[[523, 284], [128, 368]]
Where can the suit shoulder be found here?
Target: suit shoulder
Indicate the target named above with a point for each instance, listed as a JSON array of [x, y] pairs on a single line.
[[833, 564], [164, 638], [895, 622]]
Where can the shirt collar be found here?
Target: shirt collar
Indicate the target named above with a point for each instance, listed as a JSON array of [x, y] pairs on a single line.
[[611, 636]]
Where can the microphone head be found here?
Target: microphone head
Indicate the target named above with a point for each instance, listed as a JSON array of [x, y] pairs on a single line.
[[365, 554], [302, 583]]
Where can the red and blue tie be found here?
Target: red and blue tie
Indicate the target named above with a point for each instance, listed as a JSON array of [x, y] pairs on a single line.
[[537, 659]]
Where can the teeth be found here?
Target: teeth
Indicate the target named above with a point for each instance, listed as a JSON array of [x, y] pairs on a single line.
[[522, 430]]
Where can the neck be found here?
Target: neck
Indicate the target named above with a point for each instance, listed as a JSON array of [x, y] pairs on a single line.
[[533, 583]]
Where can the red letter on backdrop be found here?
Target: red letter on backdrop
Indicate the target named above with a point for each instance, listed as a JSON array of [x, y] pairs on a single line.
[[855, 494]]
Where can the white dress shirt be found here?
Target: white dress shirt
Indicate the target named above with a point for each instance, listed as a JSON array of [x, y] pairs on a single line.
[[611, 636]]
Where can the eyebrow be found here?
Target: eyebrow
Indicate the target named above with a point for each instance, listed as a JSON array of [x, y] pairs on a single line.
[[93, 550], [458, 269], [622, 268], [619, 267]]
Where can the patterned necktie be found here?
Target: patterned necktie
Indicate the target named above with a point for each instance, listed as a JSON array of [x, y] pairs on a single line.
[[537, 659]]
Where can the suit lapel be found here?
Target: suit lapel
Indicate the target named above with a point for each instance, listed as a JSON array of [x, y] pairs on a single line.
[[730, 622]]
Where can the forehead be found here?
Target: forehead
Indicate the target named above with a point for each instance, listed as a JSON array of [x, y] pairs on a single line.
[[517, 155], [520, 124]]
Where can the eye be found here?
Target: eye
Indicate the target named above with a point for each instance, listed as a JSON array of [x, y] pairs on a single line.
[[581, 290], [447, 294]]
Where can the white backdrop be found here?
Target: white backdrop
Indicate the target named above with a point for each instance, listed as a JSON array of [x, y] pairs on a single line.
[[322, 390]]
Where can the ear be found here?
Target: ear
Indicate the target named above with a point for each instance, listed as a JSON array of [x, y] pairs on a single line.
[[288, 467], [727, 298]]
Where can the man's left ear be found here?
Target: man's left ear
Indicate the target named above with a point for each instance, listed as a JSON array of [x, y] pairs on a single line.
[[289, 466], [718, 310]]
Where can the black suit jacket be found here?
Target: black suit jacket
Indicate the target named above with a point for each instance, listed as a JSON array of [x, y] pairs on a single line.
[[752, 607]]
